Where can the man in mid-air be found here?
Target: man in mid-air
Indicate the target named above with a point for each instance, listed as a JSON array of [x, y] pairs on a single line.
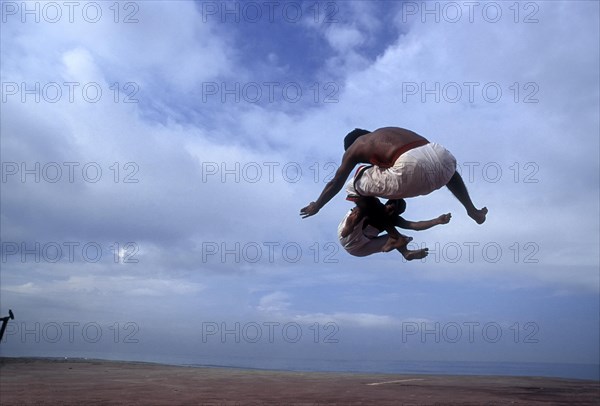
[[404, 164], [359, 231]]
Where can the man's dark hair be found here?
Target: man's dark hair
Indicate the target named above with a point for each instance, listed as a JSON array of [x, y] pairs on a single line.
[[399, 205], [352, 136]]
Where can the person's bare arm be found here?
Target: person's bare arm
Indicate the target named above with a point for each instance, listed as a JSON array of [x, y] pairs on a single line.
[[423, 225], [332, 187]]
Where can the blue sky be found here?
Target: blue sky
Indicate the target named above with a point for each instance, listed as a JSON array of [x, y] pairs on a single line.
[[154, 163]]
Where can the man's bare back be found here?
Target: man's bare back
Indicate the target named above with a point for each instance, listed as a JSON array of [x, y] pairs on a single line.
[[383, 146]]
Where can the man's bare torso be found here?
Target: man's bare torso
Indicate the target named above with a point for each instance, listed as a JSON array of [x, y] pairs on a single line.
[[383, 146]]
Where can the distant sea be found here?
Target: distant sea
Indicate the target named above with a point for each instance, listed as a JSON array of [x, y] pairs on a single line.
[[572, 371], [575, 371]]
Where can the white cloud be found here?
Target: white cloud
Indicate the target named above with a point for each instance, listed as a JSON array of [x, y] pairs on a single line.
[[344, 39], [274, 304], [278, 305], [364, 320], [111, 286]]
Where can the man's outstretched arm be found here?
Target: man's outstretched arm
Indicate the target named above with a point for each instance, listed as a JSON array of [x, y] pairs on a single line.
[[423, 225], [331, 188]]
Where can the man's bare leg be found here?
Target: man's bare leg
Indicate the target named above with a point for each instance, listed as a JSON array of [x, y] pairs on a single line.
[[458, 189], [396, 243], [409, 255], [400, 244]]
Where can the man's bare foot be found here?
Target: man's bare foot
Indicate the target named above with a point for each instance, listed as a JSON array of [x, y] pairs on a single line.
[[409, 255], [478, 215], [393, 243]]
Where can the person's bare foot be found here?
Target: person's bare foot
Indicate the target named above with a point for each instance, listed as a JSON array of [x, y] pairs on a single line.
[[478, 215], [393, 243], [409, 255]]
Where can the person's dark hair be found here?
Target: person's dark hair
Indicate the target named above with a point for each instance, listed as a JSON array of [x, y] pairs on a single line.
[[400, 205], [352, 136]]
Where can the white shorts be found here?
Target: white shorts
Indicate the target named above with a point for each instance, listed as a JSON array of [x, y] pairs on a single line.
[[416, 172], [361, 243]]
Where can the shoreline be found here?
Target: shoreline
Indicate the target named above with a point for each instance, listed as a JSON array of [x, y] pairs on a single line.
[[29, 380], [300, 370]]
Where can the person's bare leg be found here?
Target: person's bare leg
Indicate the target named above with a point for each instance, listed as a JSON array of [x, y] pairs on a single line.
[[396, 243], [458, 189], [400, 244], [409, 255]]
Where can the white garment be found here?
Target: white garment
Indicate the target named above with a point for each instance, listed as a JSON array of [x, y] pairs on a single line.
[[416, 172], [361, 242]]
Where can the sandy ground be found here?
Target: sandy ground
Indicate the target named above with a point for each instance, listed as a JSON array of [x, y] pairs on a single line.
[[89, 382]]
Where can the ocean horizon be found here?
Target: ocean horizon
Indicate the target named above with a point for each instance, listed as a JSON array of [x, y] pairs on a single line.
[[556, 370], [531, 369]]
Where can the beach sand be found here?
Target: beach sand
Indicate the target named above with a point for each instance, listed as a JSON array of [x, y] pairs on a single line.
[[95, 382]]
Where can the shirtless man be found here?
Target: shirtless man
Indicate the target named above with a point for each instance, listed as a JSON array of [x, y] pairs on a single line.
[[359, 230], [404, 164]]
